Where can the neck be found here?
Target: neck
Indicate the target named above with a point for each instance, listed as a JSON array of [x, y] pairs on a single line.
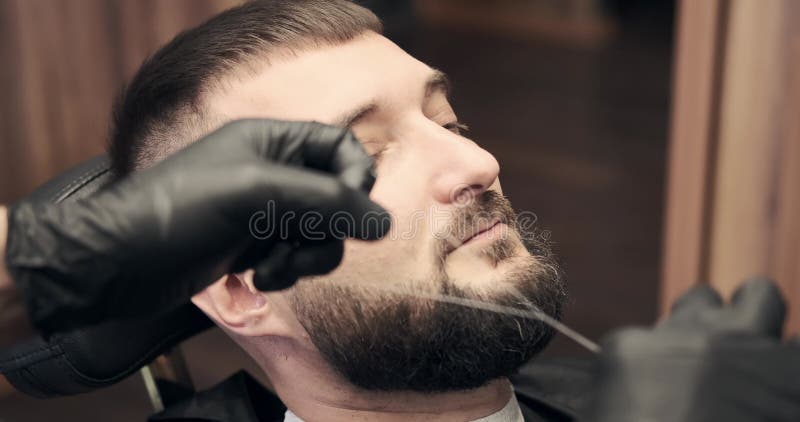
[[311, 389]]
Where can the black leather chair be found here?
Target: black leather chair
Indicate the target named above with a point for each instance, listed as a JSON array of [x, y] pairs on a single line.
[[94, 357]]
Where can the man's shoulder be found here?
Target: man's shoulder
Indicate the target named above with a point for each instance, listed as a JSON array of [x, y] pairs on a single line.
[[552, 389]]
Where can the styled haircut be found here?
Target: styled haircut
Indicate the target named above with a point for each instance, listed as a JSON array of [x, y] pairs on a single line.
[[162, 109]]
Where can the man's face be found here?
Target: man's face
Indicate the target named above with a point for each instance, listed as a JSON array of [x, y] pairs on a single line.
[[441, 189]]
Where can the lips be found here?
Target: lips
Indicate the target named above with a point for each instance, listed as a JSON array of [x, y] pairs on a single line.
[[481, 230], [463, 238]]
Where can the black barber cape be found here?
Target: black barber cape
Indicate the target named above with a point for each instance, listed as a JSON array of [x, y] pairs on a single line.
[[547, 390]]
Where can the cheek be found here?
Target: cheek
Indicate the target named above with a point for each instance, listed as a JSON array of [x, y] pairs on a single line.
[[405, 253], [404, 198], [374, 261], [401, 188], [402, 185]]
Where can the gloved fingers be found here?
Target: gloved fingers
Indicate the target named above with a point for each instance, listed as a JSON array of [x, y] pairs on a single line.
[[295, 205], [699, 298], [268, 275], [323, 206], [314, 145], [355, 167], [759, 307], [313, 258], [625, 340], [288, 263], [335, 150]]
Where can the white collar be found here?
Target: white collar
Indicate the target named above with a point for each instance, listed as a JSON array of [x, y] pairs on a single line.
[[509, 413]]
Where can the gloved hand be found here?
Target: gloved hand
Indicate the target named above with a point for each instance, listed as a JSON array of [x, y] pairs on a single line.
[[706, 362], [150, 241]]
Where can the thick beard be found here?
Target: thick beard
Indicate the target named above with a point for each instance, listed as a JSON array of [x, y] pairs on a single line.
[[390, 340]]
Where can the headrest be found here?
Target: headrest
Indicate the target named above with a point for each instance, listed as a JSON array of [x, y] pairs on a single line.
[[98, 356], [78, 182]]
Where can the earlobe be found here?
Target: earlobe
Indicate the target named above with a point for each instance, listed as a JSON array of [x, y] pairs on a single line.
[[235, 305]]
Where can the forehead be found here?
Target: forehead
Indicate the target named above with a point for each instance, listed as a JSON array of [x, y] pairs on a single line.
[[321, 83]]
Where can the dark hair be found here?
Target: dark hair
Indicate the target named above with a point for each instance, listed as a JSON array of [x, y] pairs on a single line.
[[161, 107]]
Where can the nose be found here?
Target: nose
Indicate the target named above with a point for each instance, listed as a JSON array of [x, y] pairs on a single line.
[[465, 170]]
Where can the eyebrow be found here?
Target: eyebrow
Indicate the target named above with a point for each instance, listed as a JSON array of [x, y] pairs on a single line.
[[437, 82]]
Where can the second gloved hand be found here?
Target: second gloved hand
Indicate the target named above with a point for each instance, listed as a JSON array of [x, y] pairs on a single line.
[[707, 362], [153, 239]]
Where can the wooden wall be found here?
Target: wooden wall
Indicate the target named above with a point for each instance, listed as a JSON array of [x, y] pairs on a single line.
[[734, 182], [581, 23], [61, 63]]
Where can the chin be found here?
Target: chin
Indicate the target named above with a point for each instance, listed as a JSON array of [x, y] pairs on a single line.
[[382, 340], [409, 343]]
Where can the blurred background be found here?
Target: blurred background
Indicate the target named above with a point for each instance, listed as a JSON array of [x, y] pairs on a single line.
[[657, 141]]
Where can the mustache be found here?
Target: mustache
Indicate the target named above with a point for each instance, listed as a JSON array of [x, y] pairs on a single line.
[[480, 213]]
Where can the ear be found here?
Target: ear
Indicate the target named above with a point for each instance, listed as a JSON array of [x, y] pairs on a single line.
[[237, 306]]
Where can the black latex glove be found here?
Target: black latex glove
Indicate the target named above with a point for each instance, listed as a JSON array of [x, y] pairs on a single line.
[[706, 362], [150, 241]]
